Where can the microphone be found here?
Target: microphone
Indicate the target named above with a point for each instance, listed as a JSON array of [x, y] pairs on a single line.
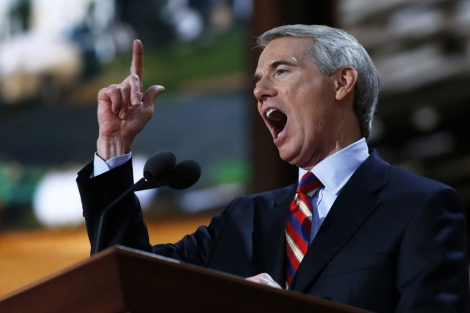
[[159, 170], [185, 175], [159, 166]]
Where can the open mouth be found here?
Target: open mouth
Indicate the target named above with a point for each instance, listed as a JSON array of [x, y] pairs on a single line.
[[277, 120]]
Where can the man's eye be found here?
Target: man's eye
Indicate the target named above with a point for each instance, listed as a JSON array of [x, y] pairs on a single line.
[[280, 71]]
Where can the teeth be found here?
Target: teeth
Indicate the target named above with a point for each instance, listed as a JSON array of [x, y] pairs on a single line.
[[276, 117], [270, 111]]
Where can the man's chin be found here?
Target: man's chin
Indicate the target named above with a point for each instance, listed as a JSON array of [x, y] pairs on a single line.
[[288, 156], [295, 159]]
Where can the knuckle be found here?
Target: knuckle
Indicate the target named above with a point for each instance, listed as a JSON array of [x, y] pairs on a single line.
[[106, 89]]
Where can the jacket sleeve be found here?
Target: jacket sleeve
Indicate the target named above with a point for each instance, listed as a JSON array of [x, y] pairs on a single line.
[[125, 225], [197, 247]]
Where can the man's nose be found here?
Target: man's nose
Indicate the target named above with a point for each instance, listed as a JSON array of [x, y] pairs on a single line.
[[264, 89]]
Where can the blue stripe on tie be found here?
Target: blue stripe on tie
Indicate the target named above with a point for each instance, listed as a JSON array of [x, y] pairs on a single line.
[[307, 179], [290, 268], [298, 227]]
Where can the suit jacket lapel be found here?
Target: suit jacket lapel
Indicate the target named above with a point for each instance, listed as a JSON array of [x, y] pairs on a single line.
[[352, 207], [272, 226]]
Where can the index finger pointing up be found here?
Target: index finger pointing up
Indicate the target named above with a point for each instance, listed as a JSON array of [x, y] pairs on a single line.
[[137, 59]]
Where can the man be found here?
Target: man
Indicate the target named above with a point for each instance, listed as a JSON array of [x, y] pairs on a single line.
[[368, 234]]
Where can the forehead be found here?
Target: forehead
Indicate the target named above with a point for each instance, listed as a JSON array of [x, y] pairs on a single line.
[[284, 48]]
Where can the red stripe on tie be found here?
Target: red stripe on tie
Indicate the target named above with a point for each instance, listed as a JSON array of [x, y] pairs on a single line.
[[292, 259], [295, 264], [296, 238], [299, 215]]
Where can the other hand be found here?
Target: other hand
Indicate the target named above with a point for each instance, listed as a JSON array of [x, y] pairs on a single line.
[[264, 279]]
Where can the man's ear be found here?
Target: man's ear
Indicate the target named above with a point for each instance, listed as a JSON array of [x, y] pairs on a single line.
[[345, 81]]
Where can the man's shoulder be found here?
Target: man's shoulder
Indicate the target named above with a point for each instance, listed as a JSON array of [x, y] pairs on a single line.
[[408, 176], [397, 176], [415, 188]]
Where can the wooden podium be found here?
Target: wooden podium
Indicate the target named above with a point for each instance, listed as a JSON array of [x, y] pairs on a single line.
[[120, 279]]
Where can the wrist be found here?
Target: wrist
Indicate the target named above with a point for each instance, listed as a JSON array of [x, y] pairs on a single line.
[[110, 147]]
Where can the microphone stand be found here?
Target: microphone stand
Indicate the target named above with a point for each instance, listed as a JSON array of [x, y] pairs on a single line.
[[104, 214]]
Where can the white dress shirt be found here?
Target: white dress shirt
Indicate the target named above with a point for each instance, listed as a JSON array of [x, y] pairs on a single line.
[[334, 172]]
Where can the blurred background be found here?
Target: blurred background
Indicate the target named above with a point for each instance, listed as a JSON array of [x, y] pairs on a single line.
[[55, 55]]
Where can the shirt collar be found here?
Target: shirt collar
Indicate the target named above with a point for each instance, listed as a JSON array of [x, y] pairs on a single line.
[[335, 170]]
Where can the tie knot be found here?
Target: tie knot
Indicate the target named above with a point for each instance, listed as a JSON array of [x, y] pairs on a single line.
[[309, 184]]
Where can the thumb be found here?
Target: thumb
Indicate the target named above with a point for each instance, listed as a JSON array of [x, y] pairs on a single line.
[[152, 93]]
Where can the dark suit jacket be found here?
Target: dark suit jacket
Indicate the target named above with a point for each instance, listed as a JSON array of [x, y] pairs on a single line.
[[392, 241]]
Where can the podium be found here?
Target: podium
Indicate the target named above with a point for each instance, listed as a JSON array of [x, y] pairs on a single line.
[[122, 280]]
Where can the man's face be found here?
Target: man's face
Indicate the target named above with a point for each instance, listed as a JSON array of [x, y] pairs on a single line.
[[296, 102]]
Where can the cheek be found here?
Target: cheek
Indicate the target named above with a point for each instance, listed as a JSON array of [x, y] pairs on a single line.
[[313, 116], [303, 102]]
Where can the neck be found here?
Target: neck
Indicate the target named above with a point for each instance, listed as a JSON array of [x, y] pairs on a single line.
[[340, 140]]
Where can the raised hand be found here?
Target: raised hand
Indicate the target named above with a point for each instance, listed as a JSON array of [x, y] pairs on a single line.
[[124, 110]]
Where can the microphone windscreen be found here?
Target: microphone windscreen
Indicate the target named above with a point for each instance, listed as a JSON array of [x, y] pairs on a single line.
[[159, 166], [186, 174]]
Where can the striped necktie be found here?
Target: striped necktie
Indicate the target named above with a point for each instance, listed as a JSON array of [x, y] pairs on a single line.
[[299, 223]]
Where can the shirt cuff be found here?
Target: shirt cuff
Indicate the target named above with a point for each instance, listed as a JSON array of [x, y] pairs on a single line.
[[101, 166]]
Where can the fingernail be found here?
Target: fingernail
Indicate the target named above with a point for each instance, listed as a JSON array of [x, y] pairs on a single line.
[[136, 101], [123, 115]]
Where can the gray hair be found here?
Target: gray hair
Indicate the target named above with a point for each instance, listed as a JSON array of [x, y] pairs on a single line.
[[331, 50]]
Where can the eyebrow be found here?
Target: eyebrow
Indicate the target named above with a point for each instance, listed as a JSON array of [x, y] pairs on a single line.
[[273, 65]]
